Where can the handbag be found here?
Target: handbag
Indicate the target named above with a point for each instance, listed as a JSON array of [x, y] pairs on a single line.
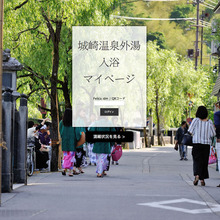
[[212, 157], [116, 153], [45, 148], [176, 146], [187, 139]]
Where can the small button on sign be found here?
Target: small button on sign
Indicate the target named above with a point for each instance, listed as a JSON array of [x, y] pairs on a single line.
[[109, 111]]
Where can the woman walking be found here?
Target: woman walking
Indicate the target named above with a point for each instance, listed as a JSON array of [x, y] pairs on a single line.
[[202, 130], [92, 156], [71, 138], [80, 153], [102, 150]]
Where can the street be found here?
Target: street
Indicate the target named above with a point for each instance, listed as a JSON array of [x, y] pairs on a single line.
[[147, 184]]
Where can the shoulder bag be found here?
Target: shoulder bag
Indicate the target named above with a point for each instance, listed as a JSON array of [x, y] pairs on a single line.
[[187, 139]]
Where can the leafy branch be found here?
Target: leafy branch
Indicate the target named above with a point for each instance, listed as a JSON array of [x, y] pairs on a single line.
[[42, 33], [22, 4], [39, 76], [49, 25], [29, 29], [25, 75]]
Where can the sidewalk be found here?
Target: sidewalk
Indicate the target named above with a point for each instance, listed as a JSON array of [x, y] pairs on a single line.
[[148, 184]]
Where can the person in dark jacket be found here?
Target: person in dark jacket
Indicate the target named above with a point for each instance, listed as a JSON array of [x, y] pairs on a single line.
[[178, 139], [217, 123], [217, 127]]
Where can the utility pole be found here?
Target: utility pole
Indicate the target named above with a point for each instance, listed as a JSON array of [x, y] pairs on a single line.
[[197, 35], [203, 15], [1, 52]]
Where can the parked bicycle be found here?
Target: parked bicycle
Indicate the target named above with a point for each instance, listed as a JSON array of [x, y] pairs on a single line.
[[30, 159]]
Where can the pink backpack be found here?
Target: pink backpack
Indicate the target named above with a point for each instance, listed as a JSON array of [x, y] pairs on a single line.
[[116, 153]]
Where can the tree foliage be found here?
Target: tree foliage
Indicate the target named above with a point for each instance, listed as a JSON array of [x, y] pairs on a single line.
[[159, 38], [182, 11], [40, 34], [171, 83]]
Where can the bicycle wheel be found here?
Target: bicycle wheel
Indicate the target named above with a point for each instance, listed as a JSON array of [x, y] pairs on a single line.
[[30, 164]]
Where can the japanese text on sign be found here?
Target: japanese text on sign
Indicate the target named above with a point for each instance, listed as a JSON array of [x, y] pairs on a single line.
[[109, 76]]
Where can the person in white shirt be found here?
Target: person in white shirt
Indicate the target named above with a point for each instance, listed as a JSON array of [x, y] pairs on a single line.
[[202, 131]]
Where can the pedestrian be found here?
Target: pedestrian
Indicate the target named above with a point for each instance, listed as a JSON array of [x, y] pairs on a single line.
[[202, 131], [80, 152], [33, 140], [217, 126], [71, 138], [102, 150], [31, 133], [178, 140], [92, 156], [44, 135], [185, 146]]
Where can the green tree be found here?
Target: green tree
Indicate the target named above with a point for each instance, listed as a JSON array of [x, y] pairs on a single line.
[[181, 11], [171, 83], [127, 8], [40, 34], [159, 38]]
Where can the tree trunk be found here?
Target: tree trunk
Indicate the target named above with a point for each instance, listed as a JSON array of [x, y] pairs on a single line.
[[54, 129], [54, 111], [55, 37], [146, 141], [66, 93], [54, 100], [158, 119]]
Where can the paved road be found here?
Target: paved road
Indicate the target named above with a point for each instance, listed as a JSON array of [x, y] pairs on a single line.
[[148, 184]]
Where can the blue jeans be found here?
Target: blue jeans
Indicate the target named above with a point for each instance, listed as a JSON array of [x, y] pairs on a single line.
[[183, 151]]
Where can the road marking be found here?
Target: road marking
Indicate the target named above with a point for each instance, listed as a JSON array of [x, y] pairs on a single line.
[[203, 194], [36, 184], [164, 205], [16, 186], [157, 195]]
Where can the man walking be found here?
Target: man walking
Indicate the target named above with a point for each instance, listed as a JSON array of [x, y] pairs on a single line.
[[178, 139]]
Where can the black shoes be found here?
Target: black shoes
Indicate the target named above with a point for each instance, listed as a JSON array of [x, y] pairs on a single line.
[[195, 182], [183, 159]]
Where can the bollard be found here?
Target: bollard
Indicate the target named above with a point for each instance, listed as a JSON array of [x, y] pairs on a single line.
[[7, 173], [21, 152], [16, 145], [15, 95]]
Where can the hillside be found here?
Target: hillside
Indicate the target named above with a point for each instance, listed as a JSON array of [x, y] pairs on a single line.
[[177, 37]]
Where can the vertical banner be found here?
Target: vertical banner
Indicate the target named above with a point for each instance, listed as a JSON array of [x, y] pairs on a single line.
[[109, 76]]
